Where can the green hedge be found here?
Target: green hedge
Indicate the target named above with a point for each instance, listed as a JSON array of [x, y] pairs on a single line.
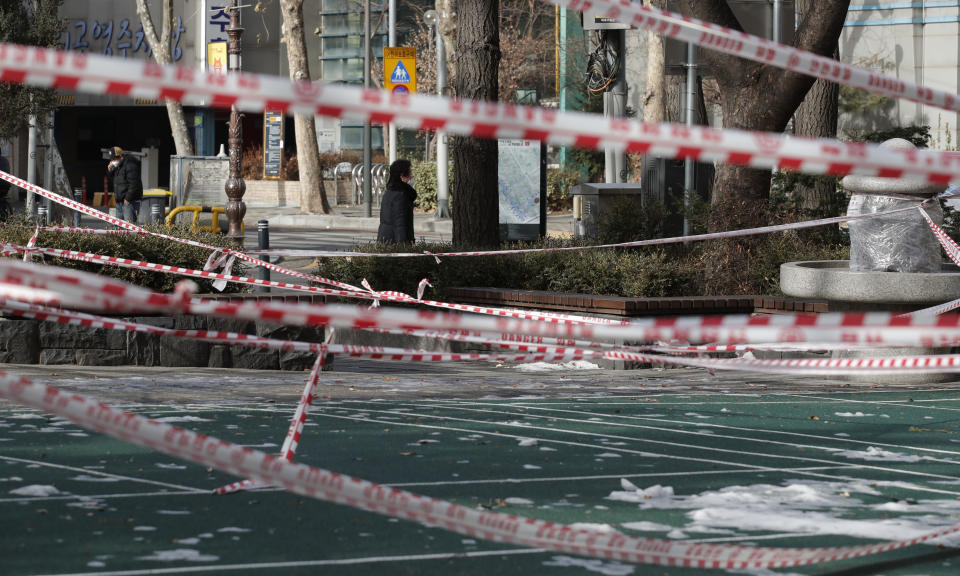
[[674, 270], [135, 247], [618, 272]]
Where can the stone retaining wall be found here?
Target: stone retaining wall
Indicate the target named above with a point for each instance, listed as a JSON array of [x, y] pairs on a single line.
[[25, 341]]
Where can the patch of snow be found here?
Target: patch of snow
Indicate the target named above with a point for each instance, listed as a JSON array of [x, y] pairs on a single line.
[[551, 367], [35, 490], [599, 566], [180, 555], [874, 454]]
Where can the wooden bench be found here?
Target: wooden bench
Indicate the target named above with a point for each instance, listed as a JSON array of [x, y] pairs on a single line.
[[632, 307]]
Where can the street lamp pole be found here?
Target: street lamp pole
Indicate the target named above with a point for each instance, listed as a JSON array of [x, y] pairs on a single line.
[[235, 186], [367, 133]]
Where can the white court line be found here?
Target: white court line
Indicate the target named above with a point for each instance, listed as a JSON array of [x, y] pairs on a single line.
[[626, 425], [310, 563], [104, 474], [838, 439], [752, 467], [104, 496], [601, 477], [902, 404]]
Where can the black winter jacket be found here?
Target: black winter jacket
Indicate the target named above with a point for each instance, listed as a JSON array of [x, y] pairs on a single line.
[[396, 213], [127, 185]]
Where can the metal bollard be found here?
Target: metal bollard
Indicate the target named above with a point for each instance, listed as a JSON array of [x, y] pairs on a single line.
[[78, 198], [156, 212], [263, 243], [42, 215]]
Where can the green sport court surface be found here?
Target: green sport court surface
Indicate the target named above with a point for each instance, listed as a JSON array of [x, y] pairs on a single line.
[[770, 461]]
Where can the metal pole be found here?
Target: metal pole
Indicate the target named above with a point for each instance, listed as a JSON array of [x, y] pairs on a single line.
[[690, 164], [443, 180], [392, 42], [367, 133], [263, 243], [78, 198], [776, 21], [235, 186], [32, 165], [48, 176], [615, 105]]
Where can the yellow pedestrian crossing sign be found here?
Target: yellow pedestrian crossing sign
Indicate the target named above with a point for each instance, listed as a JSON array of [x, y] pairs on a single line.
[[400, 69]]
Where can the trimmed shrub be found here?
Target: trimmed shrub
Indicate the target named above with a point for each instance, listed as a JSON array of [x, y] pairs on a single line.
[[135, 247], [425, 183]]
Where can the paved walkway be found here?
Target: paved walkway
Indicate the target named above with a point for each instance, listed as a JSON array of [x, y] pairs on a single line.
[[354, 218]]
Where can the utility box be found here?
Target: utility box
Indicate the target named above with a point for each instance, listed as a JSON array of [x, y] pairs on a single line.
[[591, 201]]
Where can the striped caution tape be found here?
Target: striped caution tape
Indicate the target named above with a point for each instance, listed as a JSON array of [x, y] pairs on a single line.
[[133, 228], [89, 73], [85, 291], [737, 43], [364, 495]]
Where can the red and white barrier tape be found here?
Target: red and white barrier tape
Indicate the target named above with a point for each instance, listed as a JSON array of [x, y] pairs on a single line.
[[84, 209], [89, 73], [368, 294], [736, 43], [498, 527], [76, 289], [44, 313], [290, 443]]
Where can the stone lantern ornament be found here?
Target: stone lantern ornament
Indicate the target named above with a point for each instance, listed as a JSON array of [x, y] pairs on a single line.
[[900, 242]]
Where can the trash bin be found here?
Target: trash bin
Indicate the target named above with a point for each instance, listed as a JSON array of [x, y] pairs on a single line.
[[154, 197]]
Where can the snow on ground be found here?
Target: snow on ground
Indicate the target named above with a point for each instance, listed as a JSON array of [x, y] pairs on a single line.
[[796, 507], [555, 367]]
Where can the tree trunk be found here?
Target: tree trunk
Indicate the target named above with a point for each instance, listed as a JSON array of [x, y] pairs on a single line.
[[313, 197], [759, 98], [475, 189], [817, 117], [655, 93], [161, 53]]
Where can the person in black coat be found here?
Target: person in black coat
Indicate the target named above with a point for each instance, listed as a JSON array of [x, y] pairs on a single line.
[[127, 185], [396, 208]]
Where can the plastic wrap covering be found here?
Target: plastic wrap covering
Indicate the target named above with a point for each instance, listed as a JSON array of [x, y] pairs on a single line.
[[900, 242]]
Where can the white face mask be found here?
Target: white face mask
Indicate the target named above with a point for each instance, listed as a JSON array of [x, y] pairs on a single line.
[[410, 182]]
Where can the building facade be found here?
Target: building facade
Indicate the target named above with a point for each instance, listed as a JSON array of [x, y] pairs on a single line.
[[914, 40]]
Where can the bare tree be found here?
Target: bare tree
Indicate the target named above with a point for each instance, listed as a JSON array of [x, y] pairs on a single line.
[[759, 97], [475, 188], [161, 46], [817, 117], [313, 197]]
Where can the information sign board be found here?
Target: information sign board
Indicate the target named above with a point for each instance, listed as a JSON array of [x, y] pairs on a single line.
[[272, 145]]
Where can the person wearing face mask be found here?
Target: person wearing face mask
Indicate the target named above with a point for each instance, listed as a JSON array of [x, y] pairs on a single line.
[[124, 171], [396, 208]]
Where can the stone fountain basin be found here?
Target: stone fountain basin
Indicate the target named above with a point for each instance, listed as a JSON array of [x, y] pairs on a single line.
[[832, 280]]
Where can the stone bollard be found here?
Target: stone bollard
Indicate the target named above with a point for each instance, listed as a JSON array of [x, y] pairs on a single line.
[[900, 242]]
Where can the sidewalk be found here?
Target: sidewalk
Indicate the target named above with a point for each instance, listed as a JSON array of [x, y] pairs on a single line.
[[348, 217]]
